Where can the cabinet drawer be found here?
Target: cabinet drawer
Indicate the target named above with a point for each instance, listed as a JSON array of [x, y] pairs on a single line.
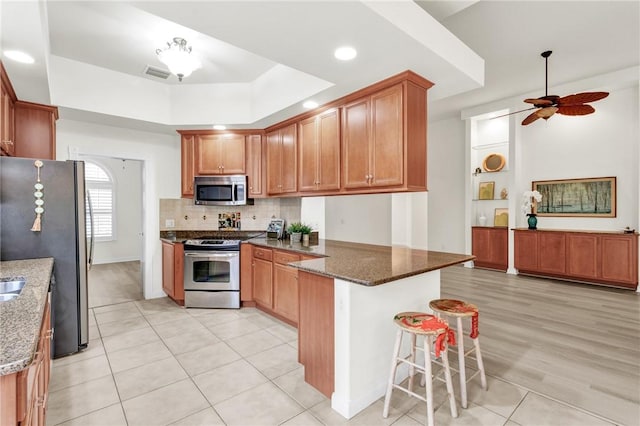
[[262, 253], [285, 257]]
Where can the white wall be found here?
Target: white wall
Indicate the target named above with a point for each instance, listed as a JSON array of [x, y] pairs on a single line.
[[601, 144], [446, 179], [160, 155], [127, 184], [358, 218]]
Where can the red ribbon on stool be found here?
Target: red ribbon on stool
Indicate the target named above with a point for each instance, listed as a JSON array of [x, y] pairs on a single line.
[[474, 326], [440, 341]]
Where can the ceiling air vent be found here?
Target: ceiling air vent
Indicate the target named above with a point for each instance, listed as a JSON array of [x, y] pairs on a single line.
[[157, 72]]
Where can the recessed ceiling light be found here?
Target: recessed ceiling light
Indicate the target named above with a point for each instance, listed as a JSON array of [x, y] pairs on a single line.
[[19, 56], [310, 104], [219, 127], [345, 53]]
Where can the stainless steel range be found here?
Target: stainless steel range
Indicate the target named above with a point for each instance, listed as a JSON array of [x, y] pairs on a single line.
[[212, 273]]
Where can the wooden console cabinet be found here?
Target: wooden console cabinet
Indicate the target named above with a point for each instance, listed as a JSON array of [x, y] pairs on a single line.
[[490, 246], [608, 258]]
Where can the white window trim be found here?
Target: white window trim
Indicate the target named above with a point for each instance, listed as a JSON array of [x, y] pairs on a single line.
[[112, 184]]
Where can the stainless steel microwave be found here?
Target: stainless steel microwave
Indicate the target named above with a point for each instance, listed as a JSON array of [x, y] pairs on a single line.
[[221, 190]]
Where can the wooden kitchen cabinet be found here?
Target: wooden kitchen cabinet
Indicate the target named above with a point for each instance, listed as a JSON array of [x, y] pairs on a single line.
[[187, 150], [490, 246], [319, 152], [255, 166], [246, 272], [7, 111], [25, 393], [384, 142], [282, 161], [27, 129], [173, 271], [607, 258], [263, 276], [316, 340], [220, 154], [285, 285]]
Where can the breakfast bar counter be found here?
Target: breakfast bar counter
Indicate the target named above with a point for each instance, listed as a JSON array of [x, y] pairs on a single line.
[[365, 264], [347, 297]]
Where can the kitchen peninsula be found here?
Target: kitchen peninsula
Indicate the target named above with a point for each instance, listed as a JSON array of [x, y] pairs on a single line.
[[348, 296]]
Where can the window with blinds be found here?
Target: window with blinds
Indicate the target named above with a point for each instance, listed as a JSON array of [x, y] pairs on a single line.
[[101, 195]]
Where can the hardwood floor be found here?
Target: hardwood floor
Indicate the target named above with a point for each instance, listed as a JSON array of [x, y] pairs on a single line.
[[111, 283], [577, 343]]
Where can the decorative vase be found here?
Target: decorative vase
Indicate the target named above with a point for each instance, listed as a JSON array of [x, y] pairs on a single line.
[[482, 220], [295, 237], [305, 239], [532, 220]]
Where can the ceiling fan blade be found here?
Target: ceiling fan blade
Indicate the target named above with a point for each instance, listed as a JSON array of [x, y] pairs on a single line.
[[530, 118], [575, 109], [582, 98], [546, 112], [515, 112], [538, 101]]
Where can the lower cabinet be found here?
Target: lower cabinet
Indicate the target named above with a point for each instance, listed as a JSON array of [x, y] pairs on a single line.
[[490, 246], [316, 331], [594, 257], [24, 395], [269, 282], [173, 271]]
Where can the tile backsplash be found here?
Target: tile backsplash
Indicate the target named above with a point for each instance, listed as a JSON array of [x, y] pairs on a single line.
[[187, 216]]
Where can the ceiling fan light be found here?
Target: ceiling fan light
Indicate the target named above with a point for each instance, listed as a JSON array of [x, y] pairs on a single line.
[[546, 112], [177, 56]]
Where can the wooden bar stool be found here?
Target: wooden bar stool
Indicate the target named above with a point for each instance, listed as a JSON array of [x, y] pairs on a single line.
[[459, 310], [436, 333]]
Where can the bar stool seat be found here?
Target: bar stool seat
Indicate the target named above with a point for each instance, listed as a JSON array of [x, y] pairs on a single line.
[[436, 334], [460, 309]]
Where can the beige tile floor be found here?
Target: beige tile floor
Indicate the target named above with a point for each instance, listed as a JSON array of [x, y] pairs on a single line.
[[154, 363]]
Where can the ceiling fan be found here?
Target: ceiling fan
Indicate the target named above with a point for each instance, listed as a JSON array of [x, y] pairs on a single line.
[[547, 105]]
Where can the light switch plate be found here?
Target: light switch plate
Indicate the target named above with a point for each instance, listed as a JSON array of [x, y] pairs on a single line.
[[169, 223]]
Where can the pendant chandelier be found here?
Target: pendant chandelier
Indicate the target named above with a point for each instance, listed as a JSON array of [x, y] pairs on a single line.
[[177, 56]]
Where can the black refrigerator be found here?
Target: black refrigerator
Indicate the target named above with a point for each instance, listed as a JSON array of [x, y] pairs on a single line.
[[62, 236]]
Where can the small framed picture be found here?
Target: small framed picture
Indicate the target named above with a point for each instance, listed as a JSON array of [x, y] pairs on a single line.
[[501, 217], [485, 190]]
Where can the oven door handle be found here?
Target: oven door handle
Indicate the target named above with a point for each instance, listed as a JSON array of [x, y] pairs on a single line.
[[209, 254]]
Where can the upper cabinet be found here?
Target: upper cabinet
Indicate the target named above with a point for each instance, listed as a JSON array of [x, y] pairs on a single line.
[[373, 140], [7, 121], [28, 129], [319, 152], [220, 154], [188, 158], [281, 161], [384, 140], [255, 165]]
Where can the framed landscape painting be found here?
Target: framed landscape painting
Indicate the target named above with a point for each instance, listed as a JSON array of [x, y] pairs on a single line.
[[590, 197]]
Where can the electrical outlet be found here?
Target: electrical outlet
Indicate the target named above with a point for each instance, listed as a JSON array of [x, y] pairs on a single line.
[[169, 223]]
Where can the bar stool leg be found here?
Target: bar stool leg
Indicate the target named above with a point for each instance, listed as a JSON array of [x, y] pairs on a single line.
[[461, 367], [428, 379], [412, 370], [392, 375], [483, 377], [447, 377]]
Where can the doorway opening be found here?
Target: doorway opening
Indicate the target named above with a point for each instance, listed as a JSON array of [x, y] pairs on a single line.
[[115, 192]]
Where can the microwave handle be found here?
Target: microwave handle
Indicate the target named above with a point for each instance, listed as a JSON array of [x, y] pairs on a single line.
[[234, 192]]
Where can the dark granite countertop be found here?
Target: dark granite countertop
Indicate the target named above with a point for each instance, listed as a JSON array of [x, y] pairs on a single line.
[[21, 318], [365, 264]]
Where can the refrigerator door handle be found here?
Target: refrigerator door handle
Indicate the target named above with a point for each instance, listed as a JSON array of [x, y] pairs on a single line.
[[92, 240]]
